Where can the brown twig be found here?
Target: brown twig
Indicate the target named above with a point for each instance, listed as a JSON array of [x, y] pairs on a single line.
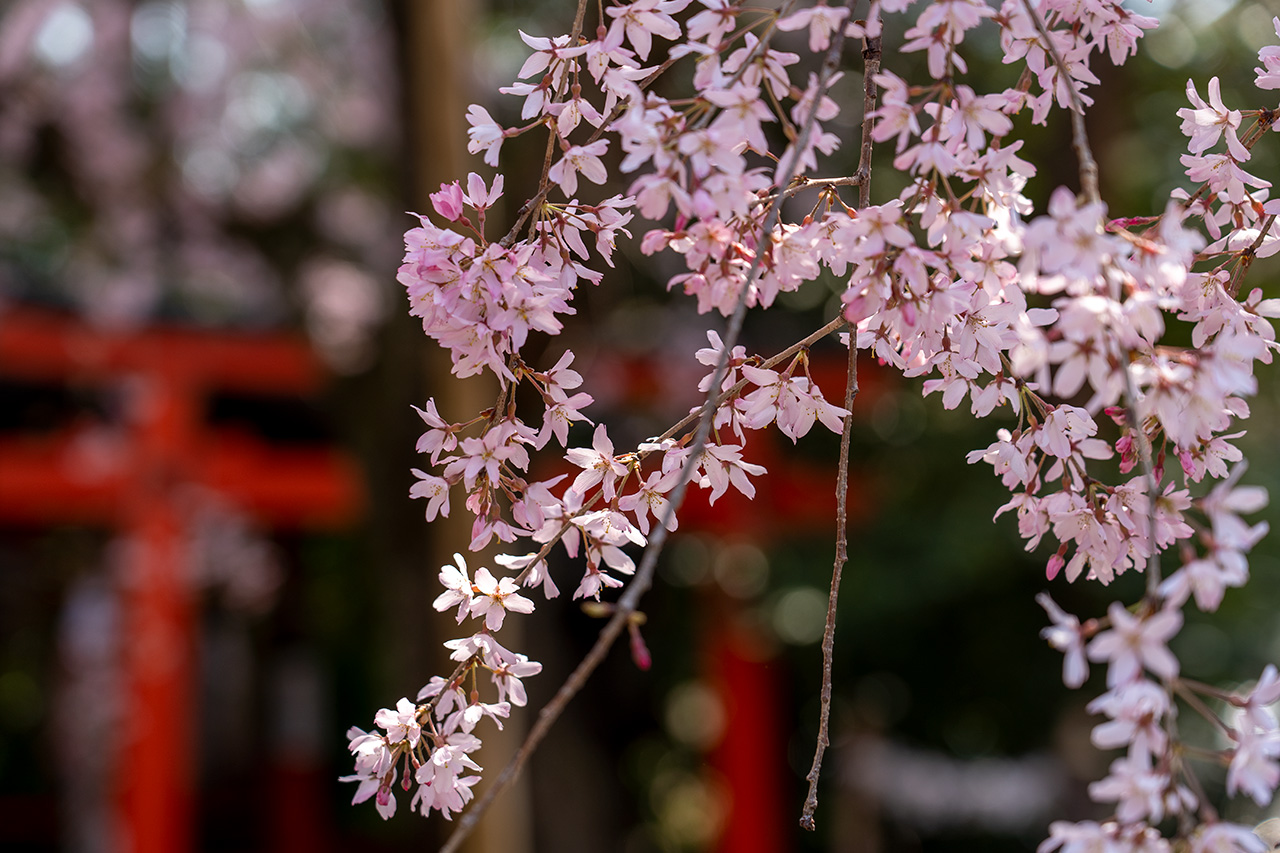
[[802, 183], [841, 557], [871, 53], [871, 56], [1247, 257]]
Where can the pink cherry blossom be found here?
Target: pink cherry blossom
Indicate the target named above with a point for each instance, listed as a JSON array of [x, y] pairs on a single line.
[[580, 158], [1269, 74], [1083, 837], [486, 134], [495, 598], [1136, 709], [1221, 837], [548, 53], [1255, 764], [434, 489], [1065, 636], [644, 19], [1136, 787], [821, 21], [1134, 643], [486, 455], [1206, 123], [599, 464], [457, 588], [507, 674], [467, 717], [448, 202], [1256, 706], [441, 438], [375, 771], [441, 785], [714, 22], [650, 499], [400, 724], [722, 466]]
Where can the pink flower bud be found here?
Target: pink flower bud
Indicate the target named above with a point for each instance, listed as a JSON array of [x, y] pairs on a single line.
[[448, 202], [1056, 562], [639, 651]]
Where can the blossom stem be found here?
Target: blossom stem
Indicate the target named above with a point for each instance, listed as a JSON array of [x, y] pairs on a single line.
[[1184, 689], [1209, 756], [841, 557]]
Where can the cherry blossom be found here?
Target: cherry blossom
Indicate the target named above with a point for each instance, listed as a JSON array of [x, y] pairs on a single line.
[[1134, 643], [441, 785], [458, 588], [507, 675], [1137, 709], [434, 489], [821, 20], [599, 464], [1269, 74], [401, 724], [375, 771], [1065, 636], [1256, 706], [643, 20], [494, 598], [650, 499], [1137, 788], [1221, 837], [1210, 121], [486, 134], [1255, 764], [580, 158]]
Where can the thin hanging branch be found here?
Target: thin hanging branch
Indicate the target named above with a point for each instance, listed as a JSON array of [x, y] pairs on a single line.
[[871, 52]]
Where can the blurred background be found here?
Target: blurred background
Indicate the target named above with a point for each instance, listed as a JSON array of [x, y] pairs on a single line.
[[209, 564]]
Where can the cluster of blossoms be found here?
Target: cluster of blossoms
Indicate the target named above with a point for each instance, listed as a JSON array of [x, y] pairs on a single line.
[[1058, 317]]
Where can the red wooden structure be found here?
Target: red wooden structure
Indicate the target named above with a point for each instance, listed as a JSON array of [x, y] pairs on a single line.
[[175, 370]]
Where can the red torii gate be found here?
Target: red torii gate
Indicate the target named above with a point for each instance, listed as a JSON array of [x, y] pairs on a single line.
[[170, 446]]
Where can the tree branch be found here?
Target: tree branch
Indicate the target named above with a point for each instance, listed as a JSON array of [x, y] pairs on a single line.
[[871, 55]]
